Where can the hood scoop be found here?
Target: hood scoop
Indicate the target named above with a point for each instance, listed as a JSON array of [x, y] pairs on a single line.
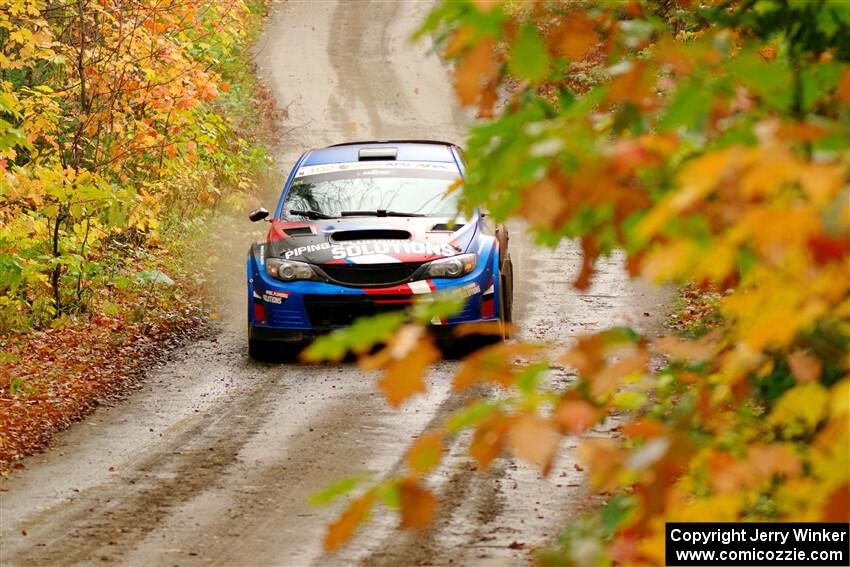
[[370, 234], [446, 227], [301, 231]]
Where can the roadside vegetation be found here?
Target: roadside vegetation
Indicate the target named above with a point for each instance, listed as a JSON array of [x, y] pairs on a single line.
[[124, 128], [709, 141]]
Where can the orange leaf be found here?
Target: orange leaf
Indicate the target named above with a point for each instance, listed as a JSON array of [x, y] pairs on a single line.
[[687, 350], [643, 428], [590, 251], [630, 86], [575, 416], [488, 439], [483, 328], [762, 463], [460, 39], [605, 460], [485, 5], [804, 367], [418, 505], [608, 378], [341, 531], [425, 453], [575, 37], [843, 91], [534, 440], [587, 356], [474, 70], [494, 364], [405, 360], [544, 203], [837, 508]]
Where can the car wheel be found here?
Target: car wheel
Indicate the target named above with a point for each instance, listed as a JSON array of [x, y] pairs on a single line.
[[262, 351], [506, 296]]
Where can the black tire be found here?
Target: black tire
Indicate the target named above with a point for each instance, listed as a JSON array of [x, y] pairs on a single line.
[[268, 351], [262, 351], [506, 299]]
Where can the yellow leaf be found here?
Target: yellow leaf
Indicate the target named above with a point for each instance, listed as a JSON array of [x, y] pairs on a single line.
[[822, 182], [804, 403]]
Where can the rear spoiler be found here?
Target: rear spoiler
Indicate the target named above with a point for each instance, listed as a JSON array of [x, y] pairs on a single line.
[[437, 142]]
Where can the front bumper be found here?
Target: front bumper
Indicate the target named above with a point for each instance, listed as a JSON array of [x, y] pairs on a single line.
[[299, 311]]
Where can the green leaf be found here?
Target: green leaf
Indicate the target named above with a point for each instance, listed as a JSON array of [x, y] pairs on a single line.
[[526, 381], [528, 57], [438, 306], [359, 337], [15, 385], [336, 489], [153, 277], [690, 107], [391, 495], [471, 415], [614, 513], [10, 272]]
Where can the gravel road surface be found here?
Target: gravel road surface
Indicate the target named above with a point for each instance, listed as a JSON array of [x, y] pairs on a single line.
[[211, 460]]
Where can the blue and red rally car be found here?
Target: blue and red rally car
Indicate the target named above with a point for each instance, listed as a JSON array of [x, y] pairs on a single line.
[[367, 227]]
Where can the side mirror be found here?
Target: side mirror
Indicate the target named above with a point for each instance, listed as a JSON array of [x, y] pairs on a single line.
[[258, 214]]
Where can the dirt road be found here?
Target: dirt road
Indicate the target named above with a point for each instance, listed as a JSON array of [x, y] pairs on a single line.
[[212, 459]]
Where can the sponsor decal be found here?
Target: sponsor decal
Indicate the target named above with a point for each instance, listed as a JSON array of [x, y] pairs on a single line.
[[469, 290], [274, 296], [358, 248], [304, 249], [423, 286], [376, 166], [367, 248]]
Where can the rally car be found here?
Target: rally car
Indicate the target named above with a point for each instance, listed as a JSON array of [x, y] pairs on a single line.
[[365, 227]]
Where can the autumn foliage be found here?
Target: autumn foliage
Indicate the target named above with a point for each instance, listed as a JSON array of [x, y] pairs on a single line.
[[114, 127], [125, 127], [711, 144]]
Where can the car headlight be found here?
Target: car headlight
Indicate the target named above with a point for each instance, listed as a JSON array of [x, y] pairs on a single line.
[[289, 270], [451, 267]]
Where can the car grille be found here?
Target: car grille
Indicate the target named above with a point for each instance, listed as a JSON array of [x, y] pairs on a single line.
[[364, 275], [328, 312]]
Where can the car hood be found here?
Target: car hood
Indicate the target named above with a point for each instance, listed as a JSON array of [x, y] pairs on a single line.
[[369, 240]]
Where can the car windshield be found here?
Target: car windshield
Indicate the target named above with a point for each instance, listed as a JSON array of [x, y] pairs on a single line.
[[364, 188]]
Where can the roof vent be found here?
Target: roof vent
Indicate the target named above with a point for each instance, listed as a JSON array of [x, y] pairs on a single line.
[[375, 154]]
